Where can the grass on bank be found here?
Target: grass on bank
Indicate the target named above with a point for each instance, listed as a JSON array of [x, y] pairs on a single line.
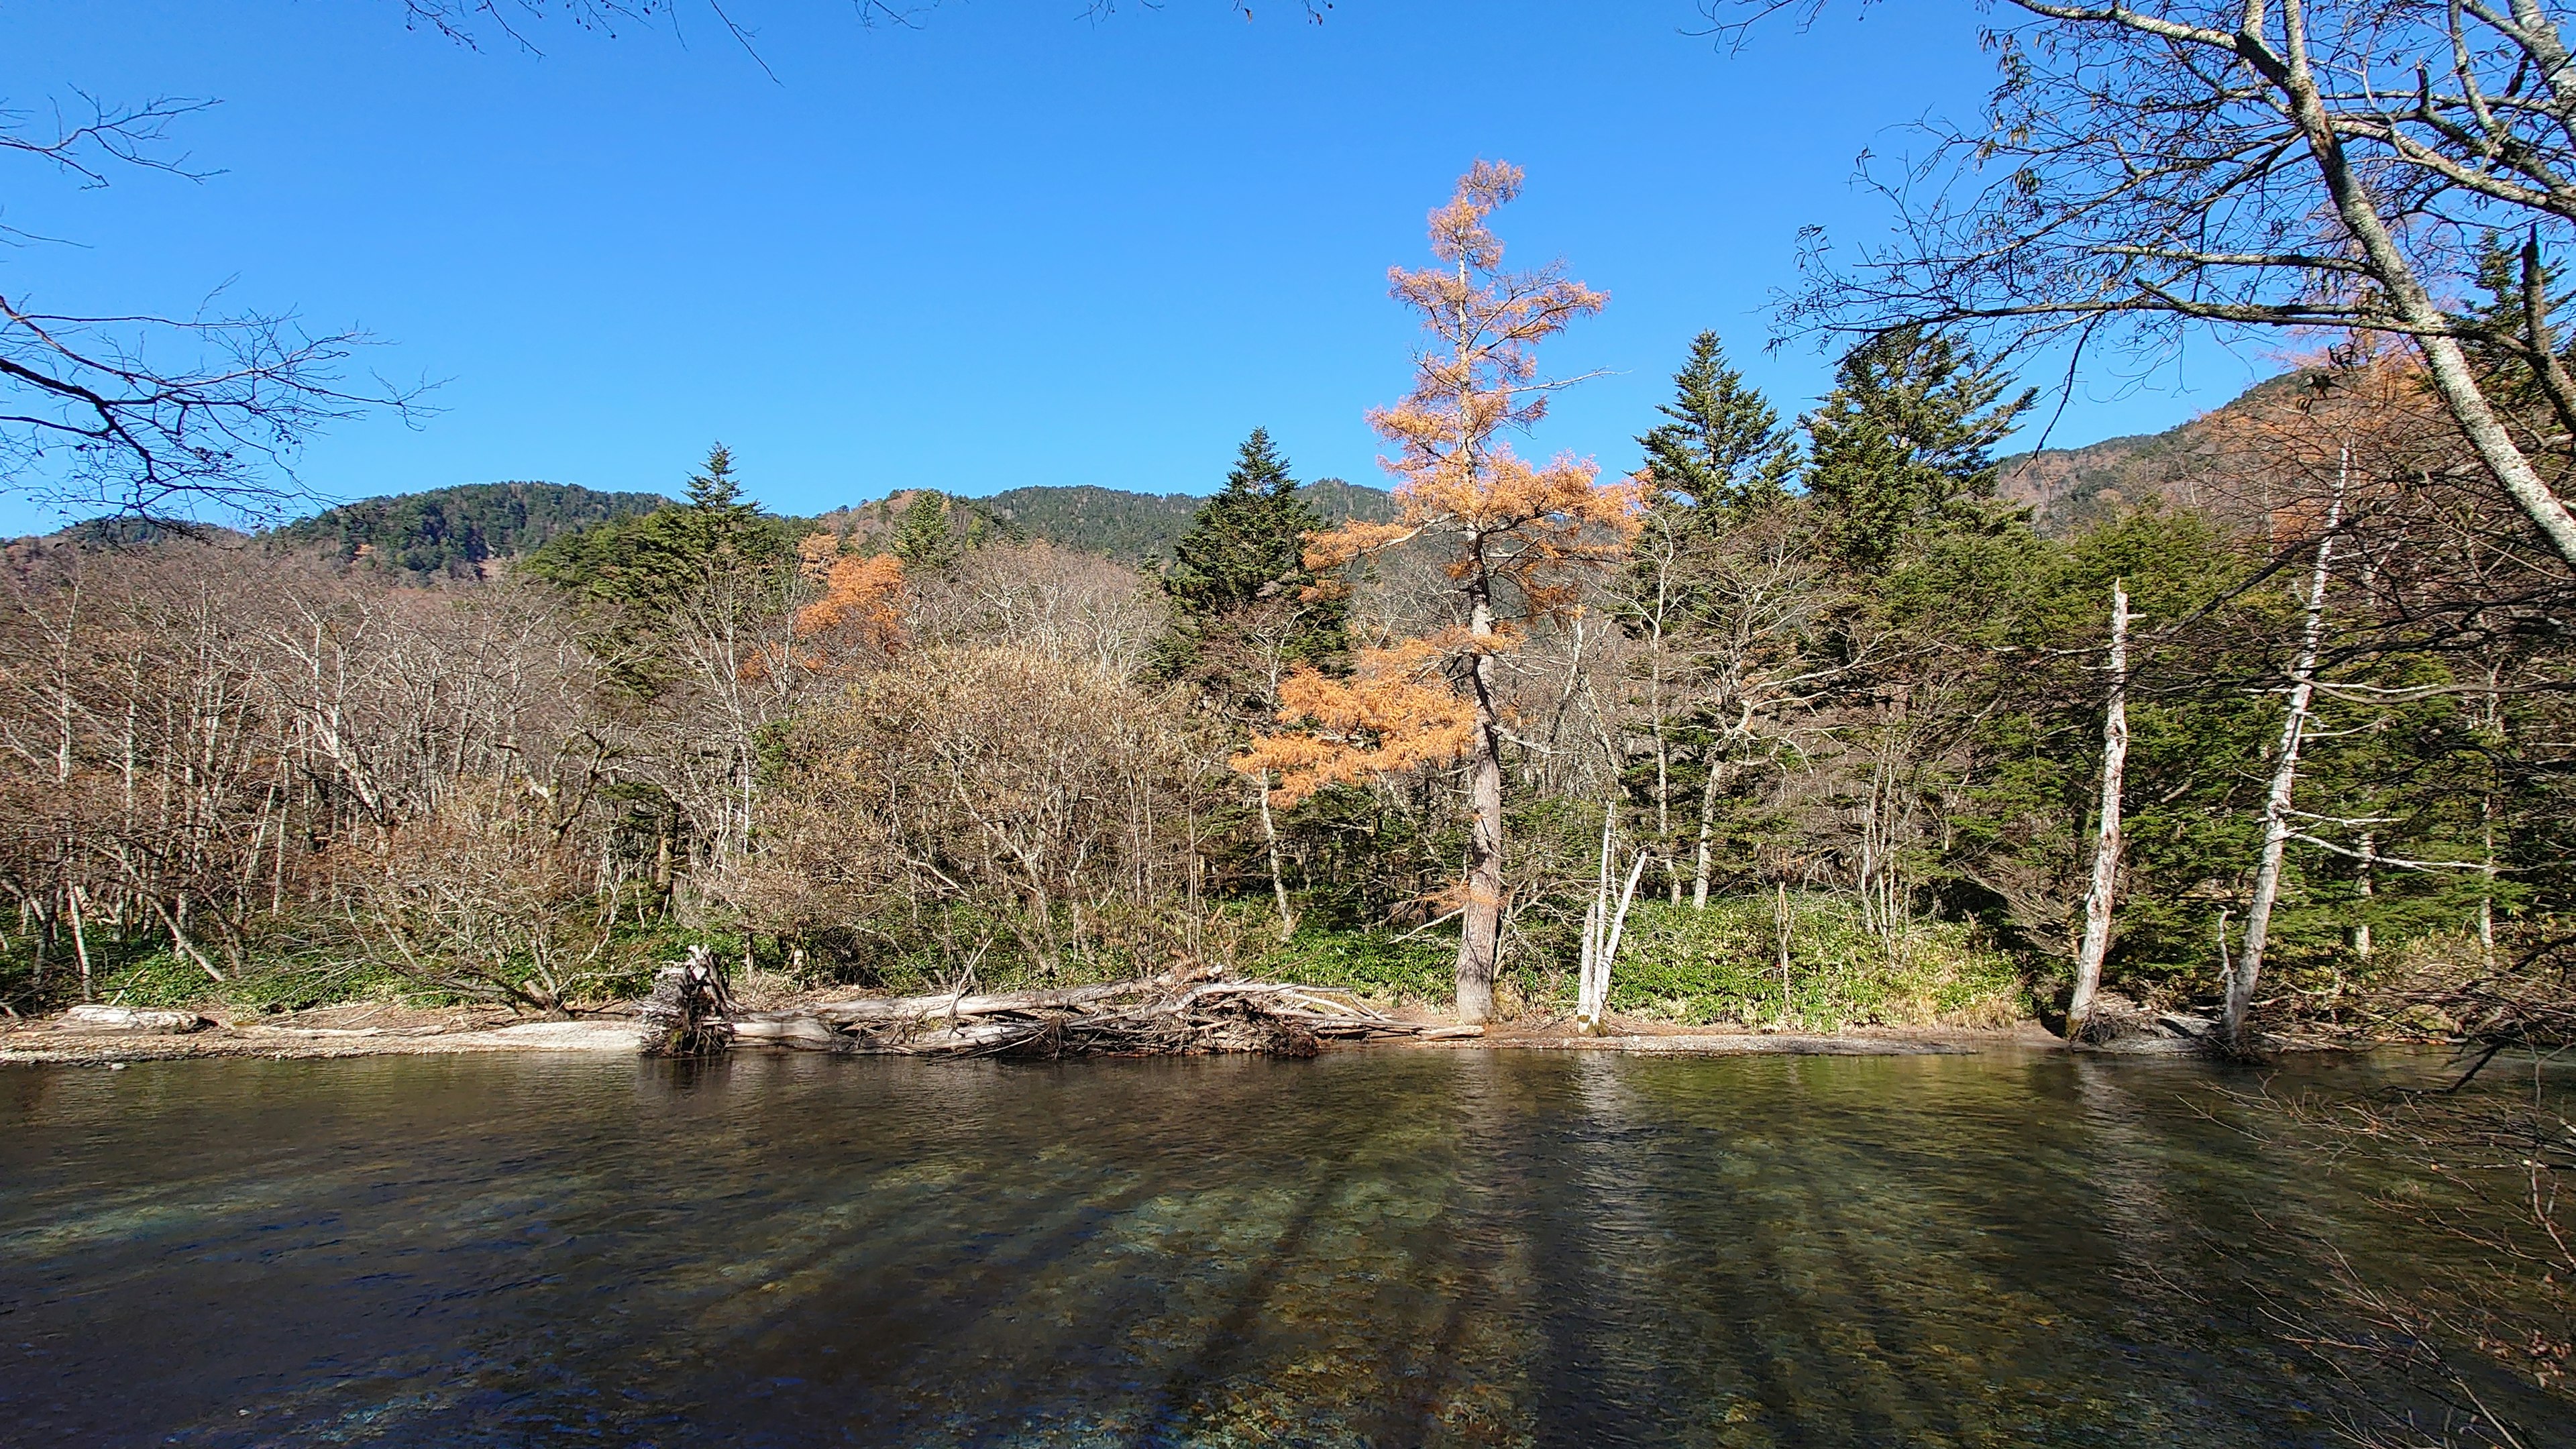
[[1720, 966], [1714, 967]]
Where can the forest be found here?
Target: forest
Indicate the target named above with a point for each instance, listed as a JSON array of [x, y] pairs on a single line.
[[1805, 724]]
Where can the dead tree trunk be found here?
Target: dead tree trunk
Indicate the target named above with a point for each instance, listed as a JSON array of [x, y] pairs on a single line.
[[2285, 778], [689, 1013], [1707, 830], [2106, 835], [1278, 881]]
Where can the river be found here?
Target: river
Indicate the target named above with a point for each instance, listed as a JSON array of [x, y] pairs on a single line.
[[1390, 1247]]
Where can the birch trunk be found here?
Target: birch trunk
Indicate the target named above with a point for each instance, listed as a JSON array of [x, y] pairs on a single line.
[[1603, 925], [1707, 832], [1278, 882], [2106, 836], [2248, 970]]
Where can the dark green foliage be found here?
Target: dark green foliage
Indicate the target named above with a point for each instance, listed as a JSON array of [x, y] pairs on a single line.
[[452, 531], [1904, 443], [638, 580], [1340, 502], [126, 530], [1245, 543], [1136, 528], [1244, 605], [1721, 444], [649, 566], [1141, 528], [923, 536]]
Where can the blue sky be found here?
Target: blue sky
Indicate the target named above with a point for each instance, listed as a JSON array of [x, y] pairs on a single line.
[[1011, 245]]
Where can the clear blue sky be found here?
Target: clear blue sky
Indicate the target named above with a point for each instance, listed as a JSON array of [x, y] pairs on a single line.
[[1012, 245]]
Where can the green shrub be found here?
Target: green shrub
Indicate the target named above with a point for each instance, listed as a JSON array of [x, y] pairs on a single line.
[[1373, 963], [1722, 965]]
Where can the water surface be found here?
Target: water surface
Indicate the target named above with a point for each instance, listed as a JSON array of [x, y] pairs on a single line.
[[1386, 1248]]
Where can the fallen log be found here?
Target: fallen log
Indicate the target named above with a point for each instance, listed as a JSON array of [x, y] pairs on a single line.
[[1154, 1016], [915, 1008], [142, 1020]]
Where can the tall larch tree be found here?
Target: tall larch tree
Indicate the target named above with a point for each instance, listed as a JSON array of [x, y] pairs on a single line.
[[1518, 536]]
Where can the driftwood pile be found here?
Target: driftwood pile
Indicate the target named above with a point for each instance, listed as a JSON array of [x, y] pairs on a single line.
[[1151, 1017]]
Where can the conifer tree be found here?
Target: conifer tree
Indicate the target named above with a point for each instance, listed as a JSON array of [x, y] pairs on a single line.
[[1523, 536], [1904, 443], [922, 539], [1721, 444], [1240, 579]]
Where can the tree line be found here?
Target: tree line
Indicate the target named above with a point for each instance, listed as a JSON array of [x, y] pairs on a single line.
[[1813, 665]]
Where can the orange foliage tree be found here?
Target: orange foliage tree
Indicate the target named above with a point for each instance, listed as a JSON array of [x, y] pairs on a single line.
[[1518, 536], [860, 608]]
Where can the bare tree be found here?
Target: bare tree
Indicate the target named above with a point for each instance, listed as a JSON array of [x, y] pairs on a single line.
[[2297, 164]]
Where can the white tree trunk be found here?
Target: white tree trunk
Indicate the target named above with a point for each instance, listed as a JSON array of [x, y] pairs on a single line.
[[1707, 830], [2285, 777], [2106, 836], [1603, 925], [1278, 882]]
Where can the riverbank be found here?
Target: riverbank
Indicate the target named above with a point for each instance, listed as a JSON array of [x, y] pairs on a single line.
[[391, 1029]]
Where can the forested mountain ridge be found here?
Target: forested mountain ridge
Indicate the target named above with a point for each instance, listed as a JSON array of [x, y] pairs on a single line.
[[2068, 488], [1141, 528], [458, 531], [462, 531]]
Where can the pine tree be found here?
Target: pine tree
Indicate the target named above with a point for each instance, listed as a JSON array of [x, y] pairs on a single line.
[[1722, 445], [1240, 578], [715, 491], [922, 537], [1903, 445]]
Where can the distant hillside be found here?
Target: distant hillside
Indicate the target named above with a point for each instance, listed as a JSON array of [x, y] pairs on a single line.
[[1342, 502], [2066, 488], [1134, 528], [457, 532], [454, 531]]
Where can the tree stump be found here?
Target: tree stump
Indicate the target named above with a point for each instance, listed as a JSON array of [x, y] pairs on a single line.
[[689, 1014]]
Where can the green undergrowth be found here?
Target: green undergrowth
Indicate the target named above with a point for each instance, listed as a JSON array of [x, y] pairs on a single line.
[[1714, 967], [1721, 966], [1379, 965]]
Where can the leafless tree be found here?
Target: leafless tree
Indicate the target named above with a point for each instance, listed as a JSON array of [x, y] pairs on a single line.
[[2275, 164]]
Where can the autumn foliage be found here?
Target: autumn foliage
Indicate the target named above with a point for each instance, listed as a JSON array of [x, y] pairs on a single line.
[[1519, 537], [861, 606], [1396, 712]]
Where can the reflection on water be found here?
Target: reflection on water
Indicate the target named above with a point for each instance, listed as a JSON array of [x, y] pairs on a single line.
[[1389, 1248]]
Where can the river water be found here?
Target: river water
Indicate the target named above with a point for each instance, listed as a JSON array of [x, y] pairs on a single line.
[[1387, 1248]]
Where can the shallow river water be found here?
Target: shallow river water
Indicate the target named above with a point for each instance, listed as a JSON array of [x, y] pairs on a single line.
[[1386, 1248]]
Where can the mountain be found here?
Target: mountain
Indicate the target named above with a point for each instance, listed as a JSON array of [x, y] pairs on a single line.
[[456, 531], [1133, 528], [2066, 488]]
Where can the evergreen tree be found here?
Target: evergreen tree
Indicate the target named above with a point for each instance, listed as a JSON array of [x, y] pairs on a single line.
[[1904, 443], [1721, 445], [640, 574], [1240, 580], [922, 537], [2527, 378]]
